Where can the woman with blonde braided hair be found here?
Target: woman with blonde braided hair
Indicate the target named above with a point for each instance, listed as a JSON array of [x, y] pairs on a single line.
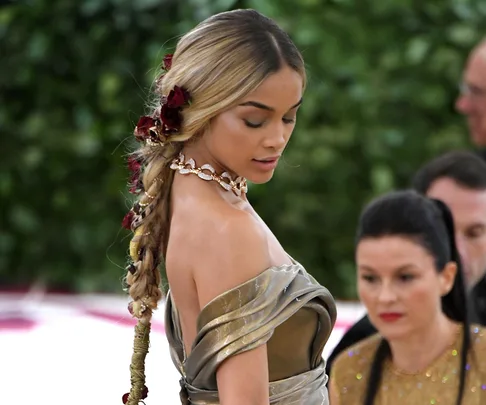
[[226, 105]]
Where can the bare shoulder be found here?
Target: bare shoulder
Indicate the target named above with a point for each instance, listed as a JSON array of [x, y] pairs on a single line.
[[222, 247], [235, 250]]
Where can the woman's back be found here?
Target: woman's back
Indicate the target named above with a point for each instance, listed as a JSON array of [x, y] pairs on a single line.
[[234, 290], [216, 243]]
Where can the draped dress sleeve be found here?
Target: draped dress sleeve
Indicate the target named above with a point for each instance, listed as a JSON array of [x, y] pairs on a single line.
[[246, 317]]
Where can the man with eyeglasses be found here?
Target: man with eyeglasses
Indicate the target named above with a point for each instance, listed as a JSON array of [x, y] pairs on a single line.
[[472, 99]]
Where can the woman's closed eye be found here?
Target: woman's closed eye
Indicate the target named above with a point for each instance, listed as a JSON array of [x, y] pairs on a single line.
[[259, 124], [288, 120], [253, 124]]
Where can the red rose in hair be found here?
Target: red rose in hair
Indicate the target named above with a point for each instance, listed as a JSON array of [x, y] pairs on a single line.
[[134, 165], [135, 182], [167, 62], [177, 97], [136, 185], [144, 394], [143, 126], [127, 220], [170, 117]]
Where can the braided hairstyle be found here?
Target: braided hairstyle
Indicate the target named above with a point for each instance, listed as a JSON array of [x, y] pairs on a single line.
[[428, 222], [215, 65]]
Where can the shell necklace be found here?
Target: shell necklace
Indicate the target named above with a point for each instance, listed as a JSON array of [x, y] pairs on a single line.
[[207, 172]]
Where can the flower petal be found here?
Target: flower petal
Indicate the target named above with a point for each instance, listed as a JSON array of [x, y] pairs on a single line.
[[167, 62], [170, 117], [133, 165], [127, 220]]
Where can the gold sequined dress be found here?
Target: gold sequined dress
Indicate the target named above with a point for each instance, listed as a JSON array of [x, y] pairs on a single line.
[[436, 385], [283, 307]]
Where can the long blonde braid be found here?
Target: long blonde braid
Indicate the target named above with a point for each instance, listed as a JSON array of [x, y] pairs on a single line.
[[219, 62], [146, 247]]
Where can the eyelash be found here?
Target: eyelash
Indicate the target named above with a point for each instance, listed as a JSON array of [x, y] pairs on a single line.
[[404, 278], [369, 279], [251, 125]]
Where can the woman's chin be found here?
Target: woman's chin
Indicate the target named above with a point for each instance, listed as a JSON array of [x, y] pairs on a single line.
[[259, 179]]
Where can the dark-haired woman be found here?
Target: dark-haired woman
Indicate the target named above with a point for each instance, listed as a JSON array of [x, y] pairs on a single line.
[[411, 283]]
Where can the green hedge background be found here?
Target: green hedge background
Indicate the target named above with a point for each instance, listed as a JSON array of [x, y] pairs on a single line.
[[74, 77]]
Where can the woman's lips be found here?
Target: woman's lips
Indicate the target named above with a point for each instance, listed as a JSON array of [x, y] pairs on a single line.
[[390, 316], [266, 164]]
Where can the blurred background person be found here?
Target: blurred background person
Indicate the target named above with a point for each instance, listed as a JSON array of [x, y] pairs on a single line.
[[411, 282], [472, 100], [458, 179]]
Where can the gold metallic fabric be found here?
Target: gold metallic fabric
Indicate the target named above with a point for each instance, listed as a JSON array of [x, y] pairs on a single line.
[[436, 385], [283, 307]]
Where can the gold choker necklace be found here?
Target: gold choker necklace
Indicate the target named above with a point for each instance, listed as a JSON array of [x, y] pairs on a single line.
[[207, 172]]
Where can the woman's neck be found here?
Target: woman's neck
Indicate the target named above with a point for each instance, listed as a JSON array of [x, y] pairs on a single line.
[[202, 156], [418, 350]]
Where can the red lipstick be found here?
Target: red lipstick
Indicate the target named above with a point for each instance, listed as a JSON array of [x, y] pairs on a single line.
[[390, 316]]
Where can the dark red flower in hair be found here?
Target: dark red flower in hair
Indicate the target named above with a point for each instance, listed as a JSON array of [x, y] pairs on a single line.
[[171, 117], [128, 219], [170, 112], [142, 130], [143, 396], [136, 184], [167, 62], [177, 97], [134, 165]]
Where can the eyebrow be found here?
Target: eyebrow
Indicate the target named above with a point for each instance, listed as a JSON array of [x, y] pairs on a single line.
[[265, 107], [404, 267]]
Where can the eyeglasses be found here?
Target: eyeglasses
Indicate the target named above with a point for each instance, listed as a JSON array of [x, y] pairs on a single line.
[[471, 90]]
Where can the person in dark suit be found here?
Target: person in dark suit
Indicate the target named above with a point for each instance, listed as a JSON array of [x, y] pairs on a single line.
[[459, 180]]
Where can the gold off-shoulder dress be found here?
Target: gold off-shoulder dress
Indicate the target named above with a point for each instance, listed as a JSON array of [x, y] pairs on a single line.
[[438, 384], [283, 307]]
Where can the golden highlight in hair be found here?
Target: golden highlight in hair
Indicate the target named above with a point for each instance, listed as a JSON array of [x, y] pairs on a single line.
[[219, 62]]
